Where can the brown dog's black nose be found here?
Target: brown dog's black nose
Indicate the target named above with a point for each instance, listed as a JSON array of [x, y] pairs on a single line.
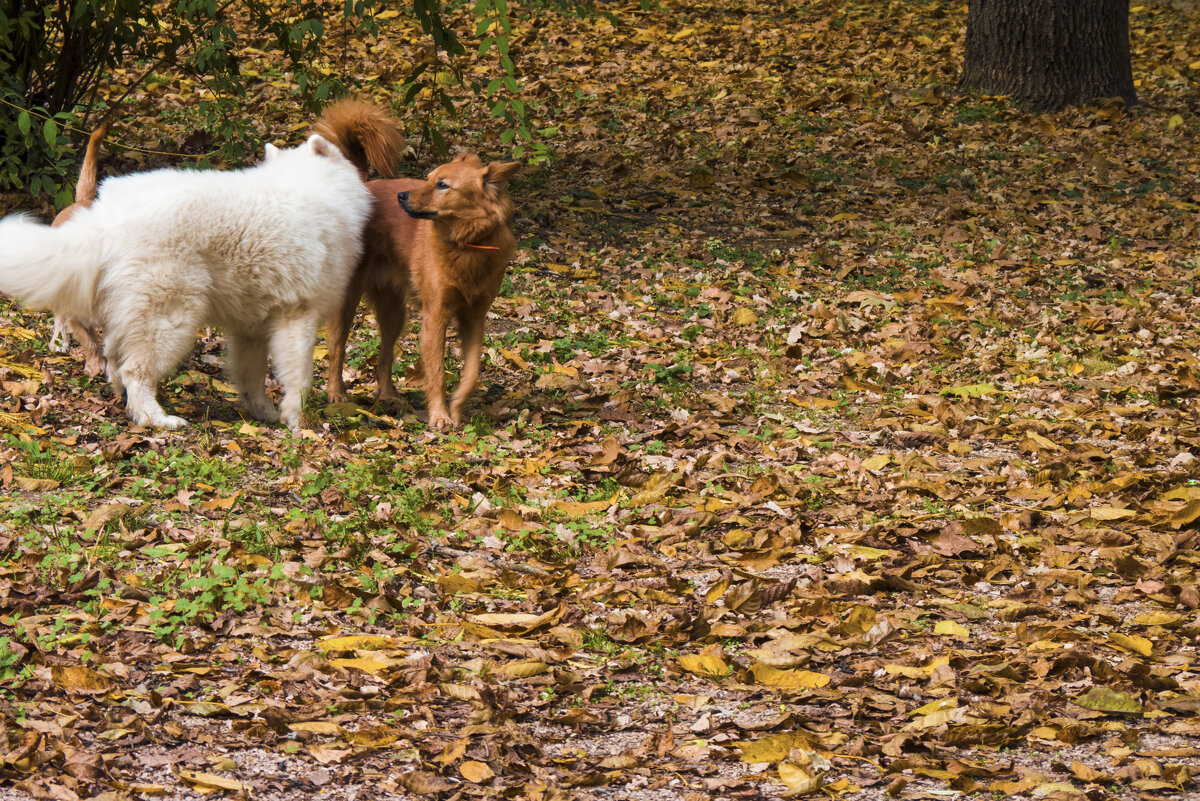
[[402, 199]]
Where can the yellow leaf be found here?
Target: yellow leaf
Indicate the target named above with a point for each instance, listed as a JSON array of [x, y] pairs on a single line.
[[951, 629], [576, 508], [391, 13], [1160, 618], [858, 620], [798, 780], [1110, 513], [775, 747], [361, 642], [209, 780], [867, 552], [515, 358], [708, 665], [936, 713], [510, 519], [146, 789], [220, 502], [719, 588], [525, 669], [936, 705], [655, 488], [362, 663], [744, 316], [316, 727], [475, 772], [788, 679], [1174, 122], [877, 462], [1139, 645], [911, 672], [22, 370], [1189, 514]]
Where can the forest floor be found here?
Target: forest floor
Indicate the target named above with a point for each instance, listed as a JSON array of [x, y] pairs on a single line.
[[837, 435]]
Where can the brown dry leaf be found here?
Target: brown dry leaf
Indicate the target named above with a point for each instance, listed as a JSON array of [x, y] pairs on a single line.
[[81, 679], [516, 621]]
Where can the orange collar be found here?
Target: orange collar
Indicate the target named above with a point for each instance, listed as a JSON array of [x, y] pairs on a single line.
[[480, 247]]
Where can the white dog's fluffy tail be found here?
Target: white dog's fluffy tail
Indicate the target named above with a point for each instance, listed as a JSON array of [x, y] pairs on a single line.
[[50, 268]]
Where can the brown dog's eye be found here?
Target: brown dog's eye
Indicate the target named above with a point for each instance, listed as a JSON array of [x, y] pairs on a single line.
[[443, 185]]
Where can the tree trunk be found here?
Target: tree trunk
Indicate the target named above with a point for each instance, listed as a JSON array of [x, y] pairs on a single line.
[[1048, 54]]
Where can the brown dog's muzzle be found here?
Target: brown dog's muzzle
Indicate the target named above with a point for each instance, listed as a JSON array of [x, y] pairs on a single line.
[[402, 199]]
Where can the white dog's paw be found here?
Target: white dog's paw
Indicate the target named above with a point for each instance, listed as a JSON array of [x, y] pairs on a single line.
[[172, 423], [264, 411], [156, 419]]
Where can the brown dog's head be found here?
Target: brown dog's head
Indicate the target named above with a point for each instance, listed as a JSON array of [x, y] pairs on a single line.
[[463, 190]]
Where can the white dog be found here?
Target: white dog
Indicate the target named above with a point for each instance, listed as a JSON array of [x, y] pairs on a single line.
[[265, 253]]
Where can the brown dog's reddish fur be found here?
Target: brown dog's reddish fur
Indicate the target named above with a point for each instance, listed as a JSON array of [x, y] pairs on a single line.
[[85, 192], [453, 262], [365, 133]]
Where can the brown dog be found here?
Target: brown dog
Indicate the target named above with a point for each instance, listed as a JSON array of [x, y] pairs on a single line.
[[67, 327], [447, 240]]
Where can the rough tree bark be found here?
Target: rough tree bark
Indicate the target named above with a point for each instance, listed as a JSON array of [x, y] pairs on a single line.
[[1048, 54]]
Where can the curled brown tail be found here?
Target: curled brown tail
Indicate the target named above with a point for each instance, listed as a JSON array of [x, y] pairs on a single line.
[[365, 133], [85, 189]]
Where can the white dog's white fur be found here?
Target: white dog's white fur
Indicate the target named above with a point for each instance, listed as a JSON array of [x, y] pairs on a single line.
[[264, 253]]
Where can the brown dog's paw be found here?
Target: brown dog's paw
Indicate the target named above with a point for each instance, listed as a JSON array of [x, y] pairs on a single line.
[[387, 392], [440, 421]]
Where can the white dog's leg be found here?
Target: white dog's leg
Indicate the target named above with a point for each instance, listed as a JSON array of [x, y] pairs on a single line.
[[60, 338], [112, 359], [150, 345], [248, 367], [143, 407], [292, 343]]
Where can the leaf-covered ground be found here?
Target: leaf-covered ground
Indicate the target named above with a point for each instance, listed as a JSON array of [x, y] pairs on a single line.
[[838, 435]]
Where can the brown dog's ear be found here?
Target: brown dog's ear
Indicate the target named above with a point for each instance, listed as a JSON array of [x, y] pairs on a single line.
[[498, 172]]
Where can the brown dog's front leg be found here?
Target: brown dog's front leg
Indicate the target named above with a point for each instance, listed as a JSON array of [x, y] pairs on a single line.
[[433, 354], [470, 329]]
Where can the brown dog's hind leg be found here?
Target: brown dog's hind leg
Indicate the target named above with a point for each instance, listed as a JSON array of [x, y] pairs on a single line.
[[337, 333], [390, 316], [89, 342], [470, 331]]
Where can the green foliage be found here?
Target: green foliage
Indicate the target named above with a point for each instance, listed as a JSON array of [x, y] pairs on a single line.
[[54, 57]]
